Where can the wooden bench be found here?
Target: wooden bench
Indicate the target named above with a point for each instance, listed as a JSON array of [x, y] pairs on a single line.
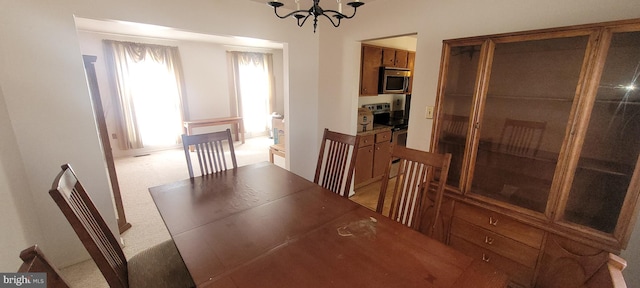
[[235, 121], [277, 149]]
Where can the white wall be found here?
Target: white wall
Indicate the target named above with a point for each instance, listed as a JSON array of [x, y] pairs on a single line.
[[20, 228], [435, 21], [205, 75], [47, 99]]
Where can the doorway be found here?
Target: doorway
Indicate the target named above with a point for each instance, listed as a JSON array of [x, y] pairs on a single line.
[[205, 85]]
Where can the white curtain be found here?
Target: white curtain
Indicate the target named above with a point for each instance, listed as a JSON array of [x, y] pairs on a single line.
[[150, 86], [253, 80]]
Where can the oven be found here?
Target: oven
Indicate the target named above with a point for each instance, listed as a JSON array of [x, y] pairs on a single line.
[[383, 115], [399, 136]]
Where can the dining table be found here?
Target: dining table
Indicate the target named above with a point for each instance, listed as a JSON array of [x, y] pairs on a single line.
[[263, 226]]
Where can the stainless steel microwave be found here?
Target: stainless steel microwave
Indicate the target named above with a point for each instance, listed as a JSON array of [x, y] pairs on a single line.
[[393, 80]]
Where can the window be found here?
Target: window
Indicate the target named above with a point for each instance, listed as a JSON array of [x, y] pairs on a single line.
[[253, 78], [149, 94]]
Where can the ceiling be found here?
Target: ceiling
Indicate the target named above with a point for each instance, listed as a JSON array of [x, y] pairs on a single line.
[[161, 32]]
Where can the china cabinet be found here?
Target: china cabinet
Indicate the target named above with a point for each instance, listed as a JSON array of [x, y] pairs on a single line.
[[544, 129]]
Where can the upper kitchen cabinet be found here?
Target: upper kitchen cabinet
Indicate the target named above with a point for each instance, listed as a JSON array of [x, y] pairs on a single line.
[[411, 60], [544, 126], [369, 73], [374, 57], [394, 57]]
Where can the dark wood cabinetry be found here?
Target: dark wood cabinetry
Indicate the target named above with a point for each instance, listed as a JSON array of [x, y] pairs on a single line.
[[370, 66], [394, 58], [381, 153], [544, 131], [364, 161], [388, 57], [374, 57], [373, 157], [411, 60], [495, 238]]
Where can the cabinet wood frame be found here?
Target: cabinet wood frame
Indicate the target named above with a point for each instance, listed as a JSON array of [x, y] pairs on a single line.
[[551, 220], [373, 57]]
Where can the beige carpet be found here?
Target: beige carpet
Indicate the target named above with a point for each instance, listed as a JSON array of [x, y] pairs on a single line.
[[135, 176]]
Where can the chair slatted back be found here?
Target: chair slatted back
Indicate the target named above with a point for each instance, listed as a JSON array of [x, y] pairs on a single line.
[[455, 125], [35, 261], [97, 238], [410, 199], [336, 162], [520, 137], [210, 150]]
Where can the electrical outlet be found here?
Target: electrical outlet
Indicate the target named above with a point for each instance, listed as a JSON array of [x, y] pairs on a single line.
[[429, 112]]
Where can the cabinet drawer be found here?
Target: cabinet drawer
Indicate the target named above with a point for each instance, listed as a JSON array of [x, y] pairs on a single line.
[[366, 140], [500, 224], [518, 273], [497, 243], [383, 137]]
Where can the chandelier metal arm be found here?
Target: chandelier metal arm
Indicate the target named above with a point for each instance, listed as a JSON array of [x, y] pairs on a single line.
[[304, 19], [316, 11], [340, 15], [275, 10], [331, 19]]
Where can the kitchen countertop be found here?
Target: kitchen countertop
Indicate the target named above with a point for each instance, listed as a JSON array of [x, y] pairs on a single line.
[[376, 129]]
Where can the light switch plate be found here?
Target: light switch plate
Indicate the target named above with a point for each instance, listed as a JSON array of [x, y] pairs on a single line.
[[429, 112]]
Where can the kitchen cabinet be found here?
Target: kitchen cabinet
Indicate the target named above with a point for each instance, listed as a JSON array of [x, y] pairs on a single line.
[[374, 57], [369, 70], [544, 130], [364, 160], [394, 57], [373, 156], [402, 59], [411, 60], [382, 150]]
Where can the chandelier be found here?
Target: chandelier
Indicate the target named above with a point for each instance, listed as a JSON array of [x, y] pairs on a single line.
[[315, 11]]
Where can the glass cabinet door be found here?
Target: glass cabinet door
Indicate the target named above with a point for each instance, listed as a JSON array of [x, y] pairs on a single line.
[[612, 143], [456, 106], [544, 126], [523, 124]]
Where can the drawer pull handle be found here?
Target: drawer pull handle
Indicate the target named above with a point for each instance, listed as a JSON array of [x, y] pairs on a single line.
[[493, 221], [488, 240], [485, 258]]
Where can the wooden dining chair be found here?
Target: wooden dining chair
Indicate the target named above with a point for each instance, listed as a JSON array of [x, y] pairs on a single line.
[[336, 162], [521, 137], [455, 125], [209, 148], [158, 266], [418, 187], [35, 261]]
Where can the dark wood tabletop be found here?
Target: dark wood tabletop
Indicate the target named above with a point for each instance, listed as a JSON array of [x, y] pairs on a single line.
[[263, 226]]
